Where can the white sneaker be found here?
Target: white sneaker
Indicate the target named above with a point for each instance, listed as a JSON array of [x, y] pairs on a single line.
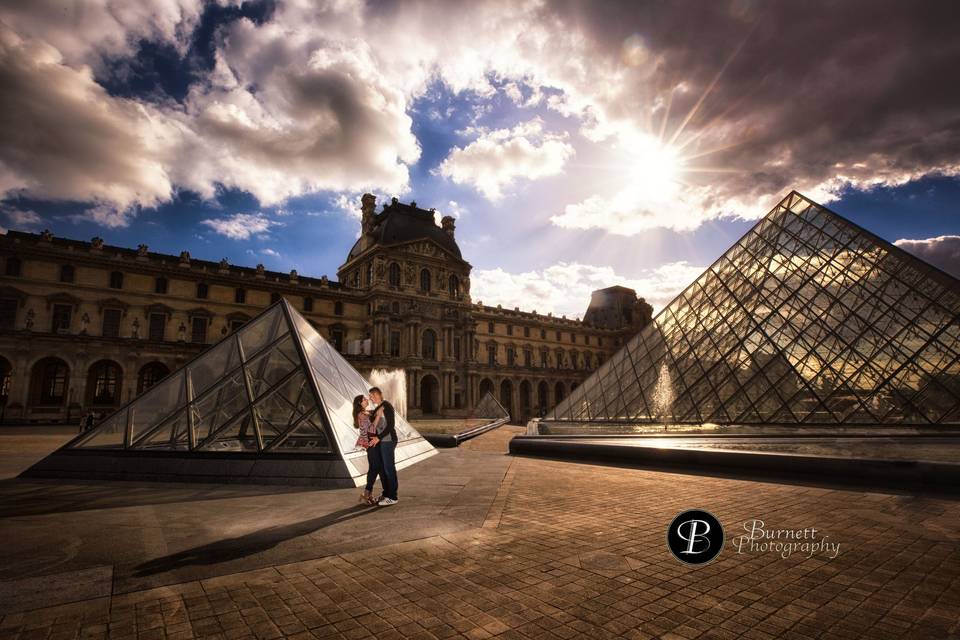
[[386, 502]]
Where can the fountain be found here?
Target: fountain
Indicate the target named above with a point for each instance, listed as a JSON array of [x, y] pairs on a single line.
[[663, 394], [393, 383]]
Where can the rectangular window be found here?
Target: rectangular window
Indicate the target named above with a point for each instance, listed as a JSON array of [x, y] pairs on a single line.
[[160, 285], [543, 334], [66, 273], [13, 267], [491, 355], [526, 332], [308, 305], [509, 329], [198, 330], [111, 323], [116, 280], [527, 359], [511, 357], [586, 339], [240, 296], [558, 337], [158, 324], [8, 313], [202, 290], [543, 359], [336, 337], [395, 344], [573, 338], [489, 327], [456, 349], [61, 318]]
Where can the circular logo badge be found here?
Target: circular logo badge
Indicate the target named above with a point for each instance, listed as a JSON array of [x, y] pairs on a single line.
[[695, 537]]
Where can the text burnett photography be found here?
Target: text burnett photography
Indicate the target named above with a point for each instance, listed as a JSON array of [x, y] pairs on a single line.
[[785, 542]]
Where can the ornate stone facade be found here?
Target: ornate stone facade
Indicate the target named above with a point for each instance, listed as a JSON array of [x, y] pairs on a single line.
[[84, 325]]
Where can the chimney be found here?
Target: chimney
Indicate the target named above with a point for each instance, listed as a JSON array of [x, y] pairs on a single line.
[[448, 224], [368, 204]]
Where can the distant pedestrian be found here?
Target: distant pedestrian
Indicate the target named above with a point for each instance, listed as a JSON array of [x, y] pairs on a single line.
[[87, 422]]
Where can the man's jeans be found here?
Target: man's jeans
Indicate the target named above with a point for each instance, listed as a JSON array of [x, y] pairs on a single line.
[[389, 470]]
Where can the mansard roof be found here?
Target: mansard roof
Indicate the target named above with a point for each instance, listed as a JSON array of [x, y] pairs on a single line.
[[399, 223]]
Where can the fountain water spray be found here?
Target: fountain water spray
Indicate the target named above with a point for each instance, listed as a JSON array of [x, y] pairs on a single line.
[[393, 383]]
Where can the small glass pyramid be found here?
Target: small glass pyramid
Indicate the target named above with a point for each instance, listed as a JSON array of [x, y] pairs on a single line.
[[490, 407], [274, 387], [807, 319]]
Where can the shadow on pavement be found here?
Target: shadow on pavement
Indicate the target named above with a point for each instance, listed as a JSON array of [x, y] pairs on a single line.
[[248, 544], [40, 497]]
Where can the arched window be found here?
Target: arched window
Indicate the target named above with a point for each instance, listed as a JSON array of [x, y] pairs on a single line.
[[425, 280], [103, 383], [48, 382], [151, 374], [429, 350], [394, 275], [454, 286]]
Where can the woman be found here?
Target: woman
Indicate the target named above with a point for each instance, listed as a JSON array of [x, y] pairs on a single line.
[[368, 440]]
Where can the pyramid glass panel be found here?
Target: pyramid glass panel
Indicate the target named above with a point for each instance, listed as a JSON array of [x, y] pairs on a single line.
[[274, 387], [489, 407], [807, 320]]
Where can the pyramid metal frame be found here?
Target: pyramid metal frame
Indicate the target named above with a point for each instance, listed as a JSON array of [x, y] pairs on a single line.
[[274, 389], [807, 319], [490, 407]]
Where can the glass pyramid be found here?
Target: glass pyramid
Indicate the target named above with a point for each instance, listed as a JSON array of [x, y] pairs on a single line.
[[490, 407], [808, 319], [274, 387]]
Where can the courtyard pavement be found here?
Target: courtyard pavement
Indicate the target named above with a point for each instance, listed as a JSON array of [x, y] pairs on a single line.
[[481, 545]]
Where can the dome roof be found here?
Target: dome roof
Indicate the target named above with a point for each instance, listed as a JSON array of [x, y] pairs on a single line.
[[399, 223]]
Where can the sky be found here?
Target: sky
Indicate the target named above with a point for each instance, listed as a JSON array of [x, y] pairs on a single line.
[[578, 144]]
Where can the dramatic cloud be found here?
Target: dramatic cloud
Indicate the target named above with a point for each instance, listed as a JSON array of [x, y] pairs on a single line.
[[699, 119], [241, 226], [86, 32], [65, 138], [498, 158], [942, 252], [756, 98], [21, 218], [565, 288]]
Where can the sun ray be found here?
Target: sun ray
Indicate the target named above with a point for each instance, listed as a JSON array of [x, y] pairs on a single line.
[[713, 83]]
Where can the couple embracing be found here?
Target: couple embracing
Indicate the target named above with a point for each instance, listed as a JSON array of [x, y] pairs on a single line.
[[376, 421]]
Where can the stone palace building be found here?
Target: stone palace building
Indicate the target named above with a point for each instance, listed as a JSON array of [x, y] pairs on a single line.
[[84, 325]]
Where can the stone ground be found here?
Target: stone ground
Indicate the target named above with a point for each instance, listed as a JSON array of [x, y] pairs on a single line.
[[481, 545]]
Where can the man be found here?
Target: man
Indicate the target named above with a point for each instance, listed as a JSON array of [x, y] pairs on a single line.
[[388, 444]]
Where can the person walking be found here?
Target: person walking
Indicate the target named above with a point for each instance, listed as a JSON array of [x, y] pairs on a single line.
[[387, 433]]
